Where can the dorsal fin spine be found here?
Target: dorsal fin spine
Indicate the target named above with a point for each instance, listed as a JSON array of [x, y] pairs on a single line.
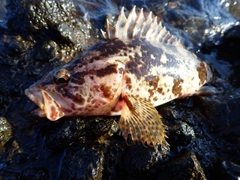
[[146, 24], [130, 23], [104, 34], [161, 34], [110, 30], [119, 30], [152, 28], [139, 26]]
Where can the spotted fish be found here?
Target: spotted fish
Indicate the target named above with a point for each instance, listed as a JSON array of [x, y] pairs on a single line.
[[138, 66]]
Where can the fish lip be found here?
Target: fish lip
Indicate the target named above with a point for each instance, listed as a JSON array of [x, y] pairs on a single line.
[[35, 96]]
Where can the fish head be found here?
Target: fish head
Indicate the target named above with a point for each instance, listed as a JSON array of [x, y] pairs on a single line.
[[78, 89]]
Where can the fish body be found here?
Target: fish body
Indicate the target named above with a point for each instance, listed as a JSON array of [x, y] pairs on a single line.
[[139, 66]]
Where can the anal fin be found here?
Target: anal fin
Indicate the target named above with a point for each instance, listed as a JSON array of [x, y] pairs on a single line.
[[141, 120]]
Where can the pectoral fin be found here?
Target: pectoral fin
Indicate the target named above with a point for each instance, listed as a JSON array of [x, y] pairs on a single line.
[[141, 120]]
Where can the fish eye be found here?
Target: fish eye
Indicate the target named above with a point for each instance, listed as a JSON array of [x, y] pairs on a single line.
[[62, 76]]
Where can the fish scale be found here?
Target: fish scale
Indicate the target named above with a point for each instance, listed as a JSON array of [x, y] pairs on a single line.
[[138, 66]]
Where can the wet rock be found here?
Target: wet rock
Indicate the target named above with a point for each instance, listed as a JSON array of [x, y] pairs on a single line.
[[189, 19], [233, 7], [232, 171], [231, 45], [195, 170], [10, 175], [44, 51], [5, 131], [4, 97], [34, 173], [217, 140], [60, 135], [185, 167], [181, 134], [46, 21], [231, 36], [142, 162], [224, 47], [85, 159], [2, 9], [225, 124]]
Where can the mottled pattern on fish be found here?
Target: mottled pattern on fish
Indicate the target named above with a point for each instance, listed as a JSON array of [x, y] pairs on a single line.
[[139, 65]]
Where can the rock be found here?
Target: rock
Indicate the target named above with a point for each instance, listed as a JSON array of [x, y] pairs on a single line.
[[232, 170], [181, 134], [47, 21], [60, 135], [5, 131], [86, 161], [34, 173], [141, 162], [186, 167]]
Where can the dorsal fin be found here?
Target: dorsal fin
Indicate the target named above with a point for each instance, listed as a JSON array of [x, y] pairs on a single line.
[[136, 25]]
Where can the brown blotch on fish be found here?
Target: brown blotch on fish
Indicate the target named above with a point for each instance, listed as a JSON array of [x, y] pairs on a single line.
[[92, 56], [105, 71], [112, 46], [106, 91], [78, 98], [78, 78], [202, 73], [160, 91], [136, 66], [152, 81], [90, 97], [177, 87], [151, 93], [64, 92], [128, 82]]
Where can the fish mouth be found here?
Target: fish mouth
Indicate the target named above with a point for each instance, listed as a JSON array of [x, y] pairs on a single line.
[[48, 103], [35, 96]]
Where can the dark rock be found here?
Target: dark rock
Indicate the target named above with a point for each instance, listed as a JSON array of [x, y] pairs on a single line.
[[222, 114], [47, 21], [231, 36], [9, 175], [181, 134], [5, 131], [232, 171], [141, 162], [34, 174], [86, 161], [63, 133], [185, 167]]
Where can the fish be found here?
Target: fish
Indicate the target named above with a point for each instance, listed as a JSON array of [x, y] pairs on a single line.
[[138, 66]]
